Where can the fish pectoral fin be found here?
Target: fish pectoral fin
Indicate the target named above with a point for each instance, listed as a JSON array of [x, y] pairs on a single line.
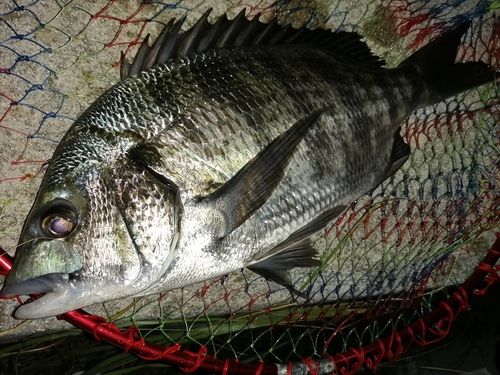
[[242, 195], [399, 156], [279, 277]]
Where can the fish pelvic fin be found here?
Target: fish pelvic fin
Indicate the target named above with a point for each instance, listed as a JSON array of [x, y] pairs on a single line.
[[442, 77], [279, 277], [296, 240], [295, 251], [275, 267], [242, 195], [299, 254]]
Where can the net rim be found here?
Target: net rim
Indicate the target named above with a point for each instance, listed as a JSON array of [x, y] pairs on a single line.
[[431, 328]]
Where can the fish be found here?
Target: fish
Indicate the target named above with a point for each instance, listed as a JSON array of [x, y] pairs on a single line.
[[222, 147]]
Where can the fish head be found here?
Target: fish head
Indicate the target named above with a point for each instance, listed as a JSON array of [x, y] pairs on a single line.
[[98, 232]]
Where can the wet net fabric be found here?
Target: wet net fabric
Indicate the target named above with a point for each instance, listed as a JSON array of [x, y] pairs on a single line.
[[382, 258]]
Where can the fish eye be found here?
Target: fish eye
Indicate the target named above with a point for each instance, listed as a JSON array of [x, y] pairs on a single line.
[[58, 219], [57, 226]]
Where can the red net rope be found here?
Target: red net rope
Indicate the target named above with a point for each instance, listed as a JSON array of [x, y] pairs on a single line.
[[428, 329]]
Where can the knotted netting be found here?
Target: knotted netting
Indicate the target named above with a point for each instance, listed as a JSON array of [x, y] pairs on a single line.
[[383, 258]]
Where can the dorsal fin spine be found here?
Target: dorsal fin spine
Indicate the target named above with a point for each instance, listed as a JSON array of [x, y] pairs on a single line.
[[240, 31]]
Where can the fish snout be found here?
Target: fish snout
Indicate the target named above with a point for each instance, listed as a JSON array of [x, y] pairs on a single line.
[[59, 293], [40, 265]]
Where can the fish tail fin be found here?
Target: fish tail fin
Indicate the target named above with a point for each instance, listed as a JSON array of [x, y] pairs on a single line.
[[443, 77]]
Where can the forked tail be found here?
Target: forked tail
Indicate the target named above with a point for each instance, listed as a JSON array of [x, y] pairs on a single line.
[[443, 77]]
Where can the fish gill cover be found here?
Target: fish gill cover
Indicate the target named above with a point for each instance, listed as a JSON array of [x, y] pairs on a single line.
[[381, 257]]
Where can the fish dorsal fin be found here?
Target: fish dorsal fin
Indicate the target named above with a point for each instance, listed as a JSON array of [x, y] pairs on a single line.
[[203, 36]]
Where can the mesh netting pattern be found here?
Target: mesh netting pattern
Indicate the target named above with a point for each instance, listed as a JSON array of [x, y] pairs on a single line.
[[380, 257], [428, 329]]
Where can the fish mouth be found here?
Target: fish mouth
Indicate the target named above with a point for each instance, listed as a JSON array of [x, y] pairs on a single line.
[[42, 284], [56, 288]]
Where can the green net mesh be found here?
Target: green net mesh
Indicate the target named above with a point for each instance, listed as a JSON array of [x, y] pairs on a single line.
[[383, 258]]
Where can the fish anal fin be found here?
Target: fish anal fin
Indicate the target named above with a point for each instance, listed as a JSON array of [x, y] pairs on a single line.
[[318, 223], [399, 156], [243, 194]]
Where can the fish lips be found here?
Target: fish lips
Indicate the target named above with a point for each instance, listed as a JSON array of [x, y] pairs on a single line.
[[55, 287], [41, 284]]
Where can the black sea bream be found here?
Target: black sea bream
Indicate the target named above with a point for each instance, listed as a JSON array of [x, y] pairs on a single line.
[[223, 147]]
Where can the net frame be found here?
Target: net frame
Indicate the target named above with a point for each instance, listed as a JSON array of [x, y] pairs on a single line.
[[429, 329], [308, 364]]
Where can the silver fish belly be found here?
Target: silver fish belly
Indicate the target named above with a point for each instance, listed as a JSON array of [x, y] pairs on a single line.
[[230, 155]]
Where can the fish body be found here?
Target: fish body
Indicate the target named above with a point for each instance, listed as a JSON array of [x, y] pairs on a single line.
[[230, 155]]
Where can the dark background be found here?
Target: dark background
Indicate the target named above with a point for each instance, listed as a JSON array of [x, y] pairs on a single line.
[[472, 347]]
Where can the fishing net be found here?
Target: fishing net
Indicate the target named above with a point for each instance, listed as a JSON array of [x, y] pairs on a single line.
[[383, 258]]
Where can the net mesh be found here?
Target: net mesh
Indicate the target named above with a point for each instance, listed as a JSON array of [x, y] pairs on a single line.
[[383, 258]]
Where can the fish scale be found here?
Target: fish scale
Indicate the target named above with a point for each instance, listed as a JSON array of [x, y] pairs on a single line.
[[210, 156], [235, 116], [275, 213]]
